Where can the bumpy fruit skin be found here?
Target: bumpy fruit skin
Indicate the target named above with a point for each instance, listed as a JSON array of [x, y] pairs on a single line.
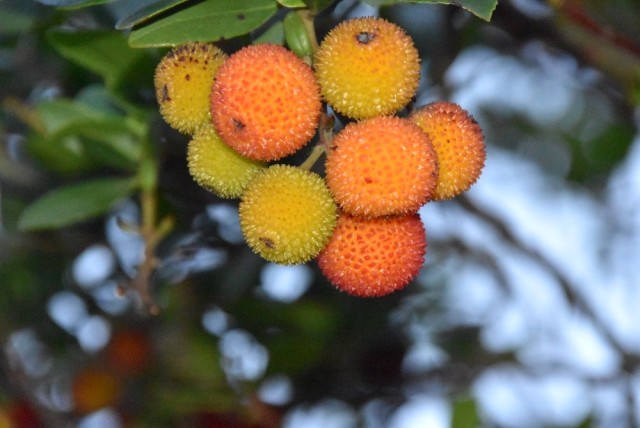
[[217, 167], [381, 166], [458, 140], [374, 257], [367, 67], [265, 102], [287, 214], [183, 80]]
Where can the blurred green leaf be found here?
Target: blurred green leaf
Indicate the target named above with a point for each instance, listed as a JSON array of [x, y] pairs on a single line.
[[75, 203], [103, 137], [465, 414], [481, 8], [107, 54], [146, 13], [107, 143], [317, 5], [304, 330], [601, 154], [207, 21], [59, 114], [73, 4], [64, 156], [13, 22], [292, 3], [609, 148]]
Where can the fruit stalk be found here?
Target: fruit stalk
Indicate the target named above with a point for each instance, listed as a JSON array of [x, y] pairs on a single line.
[[324, 145]]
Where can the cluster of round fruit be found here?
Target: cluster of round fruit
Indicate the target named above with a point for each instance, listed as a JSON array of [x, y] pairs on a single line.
[[263, 103]]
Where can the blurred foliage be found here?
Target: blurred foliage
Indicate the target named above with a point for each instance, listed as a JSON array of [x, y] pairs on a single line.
[[86, 162]]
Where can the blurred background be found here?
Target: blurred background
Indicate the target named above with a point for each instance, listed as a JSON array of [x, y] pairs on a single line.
[[525, 313]]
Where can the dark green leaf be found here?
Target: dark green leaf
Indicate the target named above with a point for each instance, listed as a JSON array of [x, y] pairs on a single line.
[[605, 151], [317, 5], [146, 13], [105, 53], [106, 138], [73, 4], [14, 22], [126, 72], [57, 115], [481, 8], [75, 203], [64, 156], [77, 136], [206, 22], [274, 34], [107, 143]]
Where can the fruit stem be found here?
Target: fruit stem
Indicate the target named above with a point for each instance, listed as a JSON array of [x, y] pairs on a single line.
[[151, 230], [307, 18], [324, 145], [315, 154]]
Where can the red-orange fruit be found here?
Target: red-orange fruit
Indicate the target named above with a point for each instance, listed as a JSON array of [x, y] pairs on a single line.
[[94, 388], [458, 140], [374, 257], [381, 166], [129, 351], [265, 102]]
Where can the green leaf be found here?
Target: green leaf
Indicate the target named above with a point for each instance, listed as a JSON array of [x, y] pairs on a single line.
[[317, 5], [274, 35], [105, 53], [57, 115], [146, 13], [609, 148], [64, 157], [81, 131], [14, 22], [205, 22], [292, 3], [481, 8], [75, 203], [73, 4], [297, 35], [465, 414]]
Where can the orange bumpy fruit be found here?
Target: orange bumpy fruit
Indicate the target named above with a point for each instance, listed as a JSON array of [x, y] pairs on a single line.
[[287, 214], [459, 142], [265, 102], [94, 388], [374, 257], [183, 80], [381, 166], [217, 167], [367, 67]]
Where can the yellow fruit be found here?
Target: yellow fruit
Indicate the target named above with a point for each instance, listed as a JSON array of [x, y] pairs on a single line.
[[374, 257], [381, 166], [367, 67], [265, 102], [217, 167], [287, 214], [183, 80], [458, 140]]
